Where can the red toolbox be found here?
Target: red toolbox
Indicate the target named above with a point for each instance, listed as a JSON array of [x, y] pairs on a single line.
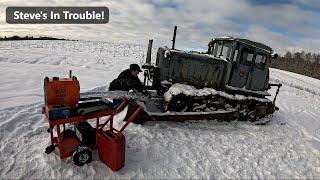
[[112, 143]]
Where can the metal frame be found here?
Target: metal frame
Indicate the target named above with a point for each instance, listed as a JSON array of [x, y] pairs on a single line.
[[63, 153]]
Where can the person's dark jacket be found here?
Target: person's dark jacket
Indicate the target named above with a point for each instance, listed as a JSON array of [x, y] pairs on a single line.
[[125, 82]]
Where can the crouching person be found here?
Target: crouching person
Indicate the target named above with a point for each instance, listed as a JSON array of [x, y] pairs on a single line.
[[128, 80]]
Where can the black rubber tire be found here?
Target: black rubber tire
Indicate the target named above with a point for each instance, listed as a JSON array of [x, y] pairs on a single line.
[[82, 155]]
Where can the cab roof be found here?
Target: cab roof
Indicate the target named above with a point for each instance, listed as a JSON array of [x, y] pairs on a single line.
[[246, 41]]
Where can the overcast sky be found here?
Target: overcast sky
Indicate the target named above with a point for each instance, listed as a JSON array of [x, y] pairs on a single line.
[[284, 24]]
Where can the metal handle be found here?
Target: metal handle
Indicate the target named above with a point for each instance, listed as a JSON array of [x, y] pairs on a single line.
[[278, 85], [133, 117], [118, 109]]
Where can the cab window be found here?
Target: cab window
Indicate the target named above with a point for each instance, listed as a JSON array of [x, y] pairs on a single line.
[[260, 61], [246, 56], [225, 50], [236, 53], [222, 49], [219, 48], [212, 48]]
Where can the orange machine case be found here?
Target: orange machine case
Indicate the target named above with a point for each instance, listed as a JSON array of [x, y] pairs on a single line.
[[63, 91]]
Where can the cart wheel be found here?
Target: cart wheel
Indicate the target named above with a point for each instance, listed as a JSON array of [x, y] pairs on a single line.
[[82, 156]]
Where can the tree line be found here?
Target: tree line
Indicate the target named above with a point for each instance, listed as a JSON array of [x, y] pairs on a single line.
[[15, 37], [299, 62]]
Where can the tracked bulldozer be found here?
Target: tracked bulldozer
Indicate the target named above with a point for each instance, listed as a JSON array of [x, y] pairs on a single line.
[[230, 81]]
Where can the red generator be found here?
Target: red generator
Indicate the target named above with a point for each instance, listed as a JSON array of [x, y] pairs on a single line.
[[112, 143]]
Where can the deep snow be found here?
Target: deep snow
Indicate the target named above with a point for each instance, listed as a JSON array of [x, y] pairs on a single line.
[[288, 147]]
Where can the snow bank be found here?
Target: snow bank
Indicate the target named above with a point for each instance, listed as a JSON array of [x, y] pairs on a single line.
[[297, 81], [188, 90]]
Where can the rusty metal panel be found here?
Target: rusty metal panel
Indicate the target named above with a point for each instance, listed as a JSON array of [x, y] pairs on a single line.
[[198, 70], [257, 80]]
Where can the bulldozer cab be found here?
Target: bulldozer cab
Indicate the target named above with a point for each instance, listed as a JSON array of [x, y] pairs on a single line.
[[250, 62]]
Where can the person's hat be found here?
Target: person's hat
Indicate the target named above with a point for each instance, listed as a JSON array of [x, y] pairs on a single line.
[[135, 67]]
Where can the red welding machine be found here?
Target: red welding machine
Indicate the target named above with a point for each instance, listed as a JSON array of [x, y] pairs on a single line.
[[62, 106]]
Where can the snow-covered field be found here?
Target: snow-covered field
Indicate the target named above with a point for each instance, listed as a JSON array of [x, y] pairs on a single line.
[[288, 147]]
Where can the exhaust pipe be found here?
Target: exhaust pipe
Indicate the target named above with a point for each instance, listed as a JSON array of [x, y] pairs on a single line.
[[174, 37], [148, 60], [147, 65]]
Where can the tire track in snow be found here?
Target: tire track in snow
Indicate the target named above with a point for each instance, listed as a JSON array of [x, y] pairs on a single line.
[[298, 110]]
